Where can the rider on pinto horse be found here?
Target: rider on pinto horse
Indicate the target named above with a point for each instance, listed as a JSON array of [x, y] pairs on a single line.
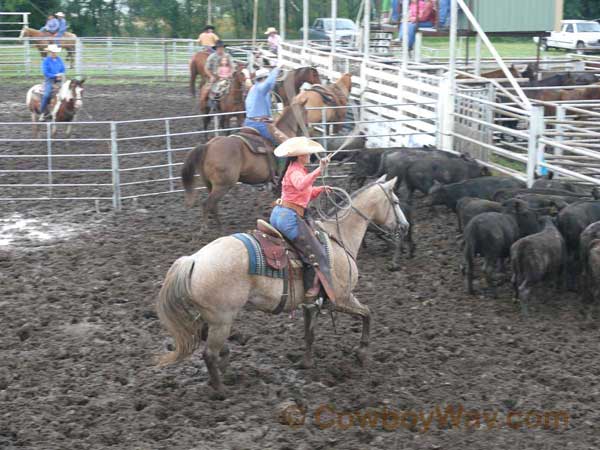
[[290, 214], [53, 70], [258, 106]]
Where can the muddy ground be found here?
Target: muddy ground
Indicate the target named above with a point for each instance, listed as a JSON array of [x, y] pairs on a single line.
[[78, 338]]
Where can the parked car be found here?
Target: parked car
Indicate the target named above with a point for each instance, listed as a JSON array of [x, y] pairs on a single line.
[[580, 35], [345, 30]]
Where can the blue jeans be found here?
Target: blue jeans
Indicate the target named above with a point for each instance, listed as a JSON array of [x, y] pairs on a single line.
[[395, 11], [58, 35], [48, 83], [412, 31], [444, 12], [262, 128], [286, 221]]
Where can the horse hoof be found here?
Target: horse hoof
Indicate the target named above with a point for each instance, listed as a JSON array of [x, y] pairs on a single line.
[[218, 394], [306, 363], [362, 355]]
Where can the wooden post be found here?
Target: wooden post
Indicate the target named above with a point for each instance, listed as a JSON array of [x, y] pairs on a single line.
[[254, 24]]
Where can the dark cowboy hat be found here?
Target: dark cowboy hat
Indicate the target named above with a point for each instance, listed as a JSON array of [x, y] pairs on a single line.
[[209, 27], [218, 44]]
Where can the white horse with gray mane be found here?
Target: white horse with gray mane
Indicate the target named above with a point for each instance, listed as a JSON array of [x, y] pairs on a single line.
[[210, 287], [63, 106]]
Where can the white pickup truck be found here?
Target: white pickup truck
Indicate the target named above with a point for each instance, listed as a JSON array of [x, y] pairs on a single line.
[[580, 35]]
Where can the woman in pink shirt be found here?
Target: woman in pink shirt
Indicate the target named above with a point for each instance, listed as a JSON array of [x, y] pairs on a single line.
[[421, 12], [289, 214]]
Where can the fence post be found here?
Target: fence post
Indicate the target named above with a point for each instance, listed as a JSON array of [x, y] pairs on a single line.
[[489, 118], [116, 175], [324, 125], [418, 45], [169, 155], [49, 151], [27, 58], [110, 56], [536, 126], [78, 56], [166, 61], [174, 59], [136, 45]]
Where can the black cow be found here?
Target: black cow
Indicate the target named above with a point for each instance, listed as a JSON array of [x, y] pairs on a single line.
[[469, 207], [396, 164], [506, 194], [589, 235], [572, 220], [484, 188], [593, 270], [491, 235], [537, 257], [421, 175]]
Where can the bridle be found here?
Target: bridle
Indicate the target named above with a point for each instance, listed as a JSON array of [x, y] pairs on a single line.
[[395, 234], [392, 203]]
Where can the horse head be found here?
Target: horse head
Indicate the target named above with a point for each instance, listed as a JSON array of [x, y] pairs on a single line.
[[345, 84], [312, 75], [388, 213], [72, 91], [529, 72]]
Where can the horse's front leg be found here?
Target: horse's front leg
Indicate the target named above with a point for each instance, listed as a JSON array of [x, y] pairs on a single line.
[[355, 308], [310, 320]]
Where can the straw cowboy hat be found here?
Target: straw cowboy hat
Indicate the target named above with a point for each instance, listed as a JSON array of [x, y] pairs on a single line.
[[60, 14], [271, 30], [53, 48], [298, 146]]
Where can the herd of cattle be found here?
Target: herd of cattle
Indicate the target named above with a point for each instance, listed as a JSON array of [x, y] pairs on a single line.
[[551, 232]]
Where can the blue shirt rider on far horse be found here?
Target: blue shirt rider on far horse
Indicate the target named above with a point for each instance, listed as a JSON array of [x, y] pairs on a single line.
[[53, 69], [51, 26], [258, 106]]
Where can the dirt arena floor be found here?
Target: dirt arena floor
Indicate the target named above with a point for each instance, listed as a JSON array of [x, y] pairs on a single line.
[[79, 336]]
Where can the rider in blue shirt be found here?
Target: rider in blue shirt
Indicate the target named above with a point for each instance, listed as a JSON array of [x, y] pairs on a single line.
[[62, 26], [258, 106], [53, 69], [51, 26]]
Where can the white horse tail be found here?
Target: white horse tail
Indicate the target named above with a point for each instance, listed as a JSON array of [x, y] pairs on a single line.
[[177, 311]]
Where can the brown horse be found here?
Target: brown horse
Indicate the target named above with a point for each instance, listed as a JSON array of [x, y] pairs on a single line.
[[293, 80], [67, 41], [231, 101], [198, 67], [339, 92], [225, 160], [499, 73], [63, 107]]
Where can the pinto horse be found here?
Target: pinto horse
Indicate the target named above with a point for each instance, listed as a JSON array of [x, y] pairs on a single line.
[[198, 67], [43, 39], [337, 94], [225, 160], [231, 101], [293, 80], [63, 107], [209, 289]]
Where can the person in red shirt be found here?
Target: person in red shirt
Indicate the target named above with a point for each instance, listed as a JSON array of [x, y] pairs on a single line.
[[290, 217], [421, 13]]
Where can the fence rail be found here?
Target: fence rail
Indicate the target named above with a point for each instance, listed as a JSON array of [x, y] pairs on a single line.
[[124, 160], [114, 56]]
